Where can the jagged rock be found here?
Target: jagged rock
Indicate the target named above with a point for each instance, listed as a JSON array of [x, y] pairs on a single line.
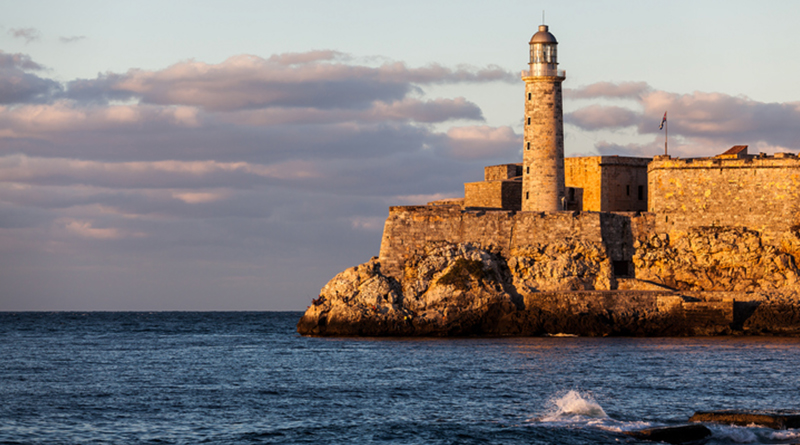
[[716, 259], [562, 266], [449, 289]]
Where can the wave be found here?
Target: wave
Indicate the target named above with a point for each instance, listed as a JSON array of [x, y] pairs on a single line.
[[577, 410], [573, 404]]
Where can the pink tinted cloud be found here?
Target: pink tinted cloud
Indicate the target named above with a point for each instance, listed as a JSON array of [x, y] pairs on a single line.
[[316, 79], [47, 121], [483, 142]]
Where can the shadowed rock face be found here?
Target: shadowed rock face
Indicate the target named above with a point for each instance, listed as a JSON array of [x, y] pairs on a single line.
[[674, 434]]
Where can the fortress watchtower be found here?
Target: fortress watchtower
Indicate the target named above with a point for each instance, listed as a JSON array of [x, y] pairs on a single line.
[[543, 137]]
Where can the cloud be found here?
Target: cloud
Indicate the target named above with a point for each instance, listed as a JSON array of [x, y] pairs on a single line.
[[18, 85], [623, 90], [18, 61], [594, 117], [483, 142], [71, 39], [27, 34], [316, 79], [700, 123]]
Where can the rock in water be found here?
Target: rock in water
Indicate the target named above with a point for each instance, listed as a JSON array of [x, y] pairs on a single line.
[[778, 419], [682, 434]]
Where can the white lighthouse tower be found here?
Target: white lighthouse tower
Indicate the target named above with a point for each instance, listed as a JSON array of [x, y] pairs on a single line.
[[543, 159]]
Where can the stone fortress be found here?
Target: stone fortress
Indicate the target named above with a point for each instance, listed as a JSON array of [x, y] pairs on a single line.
[[611, 199], [601, 245]]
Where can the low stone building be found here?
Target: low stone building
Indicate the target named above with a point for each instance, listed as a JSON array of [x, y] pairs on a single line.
[[594, 183]]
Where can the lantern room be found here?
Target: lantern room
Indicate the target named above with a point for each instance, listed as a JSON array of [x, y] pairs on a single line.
[[544, 60]]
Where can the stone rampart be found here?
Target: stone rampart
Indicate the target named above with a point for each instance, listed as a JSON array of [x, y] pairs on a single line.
[[409, 228], [759, 193]]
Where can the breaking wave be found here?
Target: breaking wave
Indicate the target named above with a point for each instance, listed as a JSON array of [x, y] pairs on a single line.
[[575, 409], [573, 404]]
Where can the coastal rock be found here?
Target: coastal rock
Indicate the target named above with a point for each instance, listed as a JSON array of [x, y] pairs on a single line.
[[449, 289], [775, 419], [701, 284], [566, 265], [716, 259]]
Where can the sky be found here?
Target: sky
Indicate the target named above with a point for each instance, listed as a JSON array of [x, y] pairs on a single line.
[[237, 155]]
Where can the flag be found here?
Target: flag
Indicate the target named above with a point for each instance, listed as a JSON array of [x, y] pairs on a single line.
[[663, 121]]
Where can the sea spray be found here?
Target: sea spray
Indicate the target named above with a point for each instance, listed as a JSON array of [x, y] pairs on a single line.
[[575, 409], [573, 404]]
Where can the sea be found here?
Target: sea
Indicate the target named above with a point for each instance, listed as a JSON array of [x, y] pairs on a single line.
[[249, 378]]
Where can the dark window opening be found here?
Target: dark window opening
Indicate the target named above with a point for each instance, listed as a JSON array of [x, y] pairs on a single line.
[[623, 268], [529, 121], [529, 145], [627, 190], [526, 195], [527, 170], [571, 194], [529, 96], [641, 193]]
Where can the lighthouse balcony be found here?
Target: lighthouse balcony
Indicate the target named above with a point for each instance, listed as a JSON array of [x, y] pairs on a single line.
[[544, 71]]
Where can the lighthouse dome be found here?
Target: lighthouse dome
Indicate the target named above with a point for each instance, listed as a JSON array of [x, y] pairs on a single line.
[[543, 36]]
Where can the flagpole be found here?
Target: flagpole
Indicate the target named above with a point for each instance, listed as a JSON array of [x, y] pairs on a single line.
[[666, 134]]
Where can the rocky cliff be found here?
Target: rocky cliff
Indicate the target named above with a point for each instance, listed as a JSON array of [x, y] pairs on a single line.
[[710, 281]]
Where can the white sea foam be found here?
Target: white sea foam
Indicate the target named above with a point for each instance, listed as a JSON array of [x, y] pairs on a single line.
[[574, 409], [785, 435], [573, 404]]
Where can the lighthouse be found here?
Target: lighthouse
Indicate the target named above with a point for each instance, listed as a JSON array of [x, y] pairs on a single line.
[[543, 137]]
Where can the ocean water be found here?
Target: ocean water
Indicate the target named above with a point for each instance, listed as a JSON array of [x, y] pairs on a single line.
[[248, 378]]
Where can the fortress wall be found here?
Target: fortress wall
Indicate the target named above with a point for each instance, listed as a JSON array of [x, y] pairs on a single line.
[[758, 193], [493, 194], [621, 182], [409, 228], [584, 173]]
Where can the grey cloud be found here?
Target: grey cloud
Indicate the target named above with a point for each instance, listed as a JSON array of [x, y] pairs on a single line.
[[596, 117], [623, 90], [19, 61], [708, 122], [71, 39], [19, 86], [638, 150], [27, 34]]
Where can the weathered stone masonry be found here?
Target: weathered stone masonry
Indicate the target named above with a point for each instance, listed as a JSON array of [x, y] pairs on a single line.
[[760, 193]]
